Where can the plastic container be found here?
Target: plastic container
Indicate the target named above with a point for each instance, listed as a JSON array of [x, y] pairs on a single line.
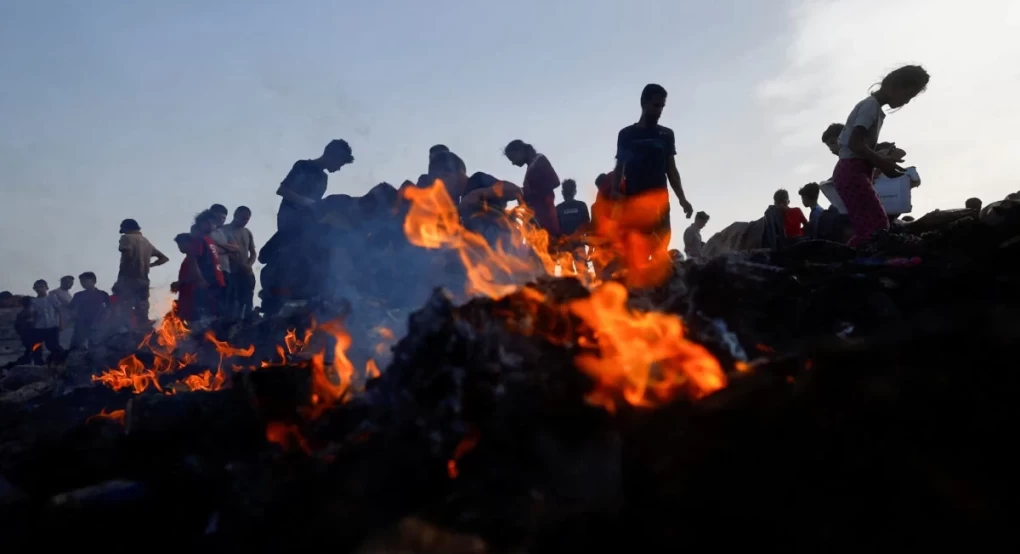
[[893, 193]]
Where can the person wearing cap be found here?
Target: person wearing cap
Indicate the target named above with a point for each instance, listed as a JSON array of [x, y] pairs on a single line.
[[539, 185], [306, 184], [136, 258]]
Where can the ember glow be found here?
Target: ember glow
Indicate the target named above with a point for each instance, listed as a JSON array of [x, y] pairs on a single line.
[[115, 415]]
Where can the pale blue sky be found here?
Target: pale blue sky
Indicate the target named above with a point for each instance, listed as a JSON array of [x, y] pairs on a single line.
[[155, 110]]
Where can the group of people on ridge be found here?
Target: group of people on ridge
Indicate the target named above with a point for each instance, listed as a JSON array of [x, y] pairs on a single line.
[[216, 277]]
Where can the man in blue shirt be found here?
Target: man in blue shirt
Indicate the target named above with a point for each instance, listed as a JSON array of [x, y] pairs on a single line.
[[646, 152]]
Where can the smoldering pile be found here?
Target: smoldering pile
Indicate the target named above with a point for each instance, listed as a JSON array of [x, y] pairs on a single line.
[[863, 403]]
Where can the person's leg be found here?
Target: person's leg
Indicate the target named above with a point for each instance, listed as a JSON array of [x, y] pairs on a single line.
[[247, 299], [28, 342], [51, 339], [142, 307], [857, 191], [79, 338]]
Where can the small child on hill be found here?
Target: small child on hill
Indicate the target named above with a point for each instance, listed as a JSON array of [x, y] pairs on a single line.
[[858, 158]]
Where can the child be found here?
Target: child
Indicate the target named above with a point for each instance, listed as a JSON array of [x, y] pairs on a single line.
[[188, 278], [88, 306], [794, 221], [852, 176], [46, 320]]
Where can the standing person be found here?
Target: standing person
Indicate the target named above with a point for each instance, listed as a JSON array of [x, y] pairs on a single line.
[[830, 137], [793, 219], [574, 221], [693, 245], [224, 251], [88, 305], [46, 321], [809, 197], [209, 281], [306, 184], [645, 163], [188, 278], [242, 261], [540, 182], [437, 149], [852, 175], [24, 326], [132, 286], [63, 297]]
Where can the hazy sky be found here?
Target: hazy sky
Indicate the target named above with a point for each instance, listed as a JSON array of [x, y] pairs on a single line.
[[155, 110]]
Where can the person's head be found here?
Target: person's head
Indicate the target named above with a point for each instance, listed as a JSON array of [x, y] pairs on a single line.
[[781, 198], [40, 287], [700, 220], [449, 168], [221, 212], [26, 303], [6, 295], [242, 215], [602, 182], [129, 226], [66, 282], [831, 137], [809, 195], [336, 155], [183, 240], [519, 152], [87, 280], [973, 204], [206, 222], [653, 100], [901, 85], [436, 149], [569, 189]]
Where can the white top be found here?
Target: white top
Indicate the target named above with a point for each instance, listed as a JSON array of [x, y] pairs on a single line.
[[867, 114]]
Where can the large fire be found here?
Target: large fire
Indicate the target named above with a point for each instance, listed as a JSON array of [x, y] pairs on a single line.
[[642, 358]]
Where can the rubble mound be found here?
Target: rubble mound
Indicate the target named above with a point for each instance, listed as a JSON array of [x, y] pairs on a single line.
[[865, 404]]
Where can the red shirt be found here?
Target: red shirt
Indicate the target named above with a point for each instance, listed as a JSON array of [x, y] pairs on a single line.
[[794, 222], [540, 180]]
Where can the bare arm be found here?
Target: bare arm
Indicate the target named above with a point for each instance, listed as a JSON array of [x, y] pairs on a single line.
[[858, 144], [502, 191], [294, 197], [160, 258], [252, 253], [673, 174]]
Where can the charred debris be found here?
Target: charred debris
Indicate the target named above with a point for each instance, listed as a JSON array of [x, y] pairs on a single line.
[[814, 398]]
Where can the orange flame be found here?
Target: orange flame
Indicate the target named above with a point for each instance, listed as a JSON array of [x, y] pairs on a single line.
[[115, 415], [466, 444], [206, 381], [372, 370], [37, 346], [643, 357], [287, 436], [434, 222], [130, 372], [225, 350]]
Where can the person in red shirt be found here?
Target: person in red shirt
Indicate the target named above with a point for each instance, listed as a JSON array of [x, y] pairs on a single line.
[[794, 221], [540, 180], [204, 266]]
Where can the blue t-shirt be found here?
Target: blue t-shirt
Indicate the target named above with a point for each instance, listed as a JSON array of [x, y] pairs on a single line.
[[644, 153]]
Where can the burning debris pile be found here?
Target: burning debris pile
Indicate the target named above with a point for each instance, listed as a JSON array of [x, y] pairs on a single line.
[[806, 399]]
